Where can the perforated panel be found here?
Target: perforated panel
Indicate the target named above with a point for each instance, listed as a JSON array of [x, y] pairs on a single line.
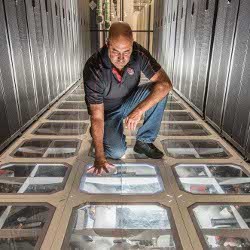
[[236, 120]]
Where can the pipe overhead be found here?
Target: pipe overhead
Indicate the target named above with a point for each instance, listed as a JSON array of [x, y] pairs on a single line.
[[107, 14], [99, 12]]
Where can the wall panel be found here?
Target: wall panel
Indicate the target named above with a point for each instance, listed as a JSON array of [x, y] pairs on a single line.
[[18, 37], [221, 55], [41, 56], [9, 121], [237, 106]]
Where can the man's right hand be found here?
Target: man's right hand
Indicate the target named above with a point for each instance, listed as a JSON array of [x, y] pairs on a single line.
[[101, 166]]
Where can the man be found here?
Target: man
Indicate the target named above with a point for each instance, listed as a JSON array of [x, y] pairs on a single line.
[[111, 78]]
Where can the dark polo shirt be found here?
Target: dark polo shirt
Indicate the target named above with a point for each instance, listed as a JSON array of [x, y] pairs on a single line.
[[103, 84]]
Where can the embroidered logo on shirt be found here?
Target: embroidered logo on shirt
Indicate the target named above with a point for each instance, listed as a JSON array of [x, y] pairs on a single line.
[[130, 71]]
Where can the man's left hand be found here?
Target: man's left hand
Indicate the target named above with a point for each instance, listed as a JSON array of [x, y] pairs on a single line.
[[133, 118]]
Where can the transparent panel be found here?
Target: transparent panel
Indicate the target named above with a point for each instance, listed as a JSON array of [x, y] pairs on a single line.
[[47, 148], [33, 148], [76, 98], [222, 216], [206, 149], [72, 105], [78, 92], [174, 106], [32, 178], [62, 149], [171, 98], [69, 116], [213, 179], [126, 179], [129, 154], [22, 226], [59, 128], [223, 226], [226, 242], [183, 130], [105, 227], [80, 87], [177, 116]]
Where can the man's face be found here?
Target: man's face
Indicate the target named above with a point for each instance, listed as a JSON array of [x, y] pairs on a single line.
[[120, 50]]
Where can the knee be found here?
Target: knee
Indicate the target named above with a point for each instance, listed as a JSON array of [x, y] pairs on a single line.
[[115, 153]]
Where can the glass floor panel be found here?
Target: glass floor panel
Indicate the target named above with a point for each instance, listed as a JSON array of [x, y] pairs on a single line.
[[32, 178], [171, 98], [125, 179], [47, 148], [224, 225], [60, 128], [78, 92], [183, 130], [80, 87], [24, 226], [105, 227], [213, 179], [76, 98], [227, 241], [129, 154], [188, 149], [69, 116], [72, 105], [177, 116], [174, 106]]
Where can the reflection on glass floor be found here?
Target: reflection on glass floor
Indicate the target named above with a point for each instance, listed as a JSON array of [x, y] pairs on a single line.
[[129, 154], [225, 225], [23, 226], [207, 149], [125, 179], [47, 148], [32, 178], [76, 98], [183, 130], [171, 98], [213, 179], [72, 105], [81, 87], [61, 128], [69, 116], [175, 106], [177, 116], [109, 227]]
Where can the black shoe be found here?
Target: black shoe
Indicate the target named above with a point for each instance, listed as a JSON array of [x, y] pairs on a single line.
[[148, 149]]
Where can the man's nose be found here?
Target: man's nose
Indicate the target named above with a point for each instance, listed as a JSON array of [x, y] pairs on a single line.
[[121, 57]]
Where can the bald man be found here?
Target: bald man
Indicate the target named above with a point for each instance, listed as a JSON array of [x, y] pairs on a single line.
[[113, 94]]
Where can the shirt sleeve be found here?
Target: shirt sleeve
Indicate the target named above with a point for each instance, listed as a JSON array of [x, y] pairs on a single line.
[[149, 66], [93, 85]]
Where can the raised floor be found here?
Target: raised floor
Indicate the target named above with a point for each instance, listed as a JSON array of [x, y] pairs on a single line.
[[197, 197]]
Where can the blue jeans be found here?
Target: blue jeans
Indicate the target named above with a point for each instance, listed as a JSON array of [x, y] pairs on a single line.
[[114, 139]]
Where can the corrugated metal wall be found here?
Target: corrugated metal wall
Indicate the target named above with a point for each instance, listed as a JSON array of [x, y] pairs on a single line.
[[43, 47], [204, 47]]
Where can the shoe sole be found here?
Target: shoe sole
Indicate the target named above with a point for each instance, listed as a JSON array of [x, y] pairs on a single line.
[[138, 151]]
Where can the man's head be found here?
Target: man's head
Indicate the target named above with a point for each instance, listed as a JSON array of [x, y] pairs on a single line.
[[120, 44]]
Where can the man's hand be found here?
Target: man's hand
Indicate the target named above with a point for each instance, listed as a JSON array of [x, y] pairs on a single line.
[[133, 118], [101, 167]]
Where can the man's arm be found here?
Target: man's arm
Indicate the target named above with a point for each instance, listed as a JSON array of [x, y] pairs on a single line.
[[97, 130], [162, 86]]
